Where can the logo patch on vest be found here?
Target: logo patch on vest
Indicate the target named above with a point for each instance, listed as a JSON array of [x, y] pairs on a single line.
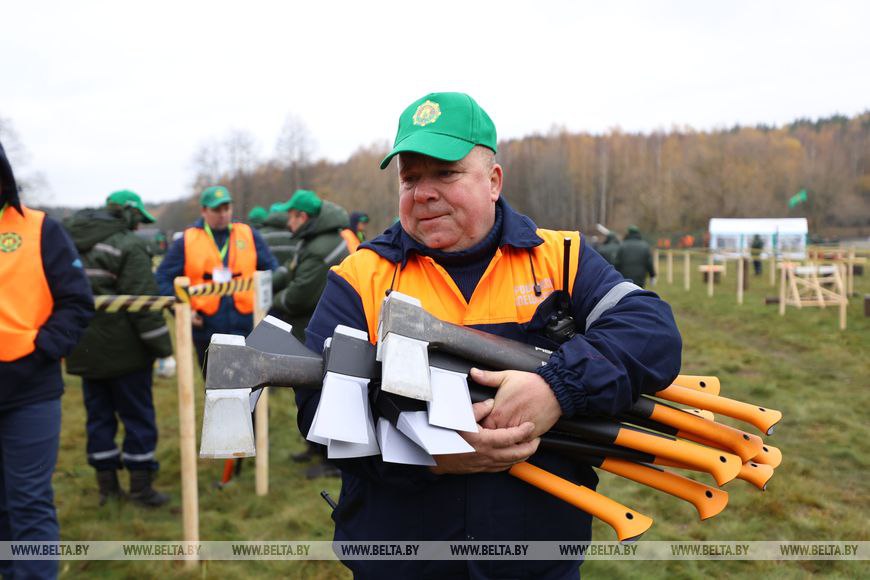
[[9, 242], [240, 244]]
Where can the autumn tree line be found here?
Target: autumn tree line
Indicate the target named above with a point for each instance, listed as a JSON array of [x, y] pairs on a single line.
[[666, 182]]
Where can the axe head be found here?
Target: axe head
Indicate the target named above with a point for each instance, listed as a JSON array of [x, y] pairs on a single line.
[[403, 347], [227, 427]]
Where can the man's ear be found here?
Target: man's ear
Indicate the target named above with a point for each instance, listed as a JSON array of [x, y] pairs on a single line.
[[496, 177]]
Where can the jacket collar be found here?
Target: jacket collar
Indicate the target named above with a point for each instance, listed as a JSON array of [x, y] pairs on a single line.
[[518, 231]]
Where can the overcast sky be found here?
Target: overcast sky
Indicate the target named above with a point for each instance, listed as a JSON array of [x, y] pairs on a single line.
[[111, 95]]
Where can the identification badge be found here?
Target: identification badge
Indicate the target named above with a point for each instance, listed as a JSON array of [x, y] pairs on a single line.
[[220, 275]]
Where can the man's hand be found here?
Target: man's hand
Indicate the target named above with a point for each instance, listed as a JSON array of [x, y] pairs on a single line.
[[196, 320], [495, 449], [521, 397]]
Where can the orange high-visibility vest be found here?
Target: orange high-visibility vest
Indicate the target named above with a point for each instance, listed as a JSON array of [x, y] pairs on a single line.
[[201, 257], [25, 298], [505, 293], [351, 238]]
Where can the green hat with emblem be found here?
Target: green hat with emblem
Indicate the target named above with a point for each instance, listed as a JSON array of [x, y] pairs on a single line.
[[214, 196], [258, 214], [303, 200], [127, 198], [445, 126]]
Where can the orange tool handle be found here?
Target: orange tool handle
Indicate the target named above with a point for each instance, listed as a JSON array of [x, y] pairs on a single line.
[[724, 436], [628, 524], [702, 413], [704, 384], [709, 501], [721, 465], [758, 474], [763, 419], [769, 455]]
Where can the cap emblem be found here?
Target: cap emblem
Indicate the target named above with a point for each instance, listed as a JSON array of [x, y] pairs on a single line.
[[427, 113]]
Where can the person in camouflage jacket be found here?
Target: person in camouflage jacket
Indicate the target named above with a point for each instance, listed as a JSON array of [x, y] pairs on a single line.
[[116, 355], [315, 224]]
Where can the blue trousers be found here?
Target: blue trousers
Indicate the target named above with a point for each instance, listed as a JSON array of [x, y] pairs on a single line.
[[129, 398], [29, 438]]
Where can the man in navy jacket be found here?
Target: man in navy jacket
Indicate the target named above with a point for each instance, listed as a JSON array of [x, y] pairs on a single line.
[[459, 236]]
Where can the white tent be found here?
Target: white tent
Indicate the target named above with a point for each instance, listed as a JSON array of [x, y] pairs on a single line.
[[787, 236]]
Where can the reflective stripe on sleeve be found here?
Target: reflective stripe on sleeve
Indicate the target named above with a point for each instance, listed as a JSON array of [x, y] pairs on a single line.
[[610, 300], [154, 333]]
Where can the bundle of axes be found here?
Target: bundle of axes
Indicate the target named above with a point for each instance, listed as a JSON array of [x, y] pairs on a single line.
[[406, 397]]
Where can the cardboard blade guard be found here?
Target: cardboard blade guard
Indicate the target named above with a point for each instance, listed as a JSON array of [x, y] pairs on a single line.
[[227, 427]]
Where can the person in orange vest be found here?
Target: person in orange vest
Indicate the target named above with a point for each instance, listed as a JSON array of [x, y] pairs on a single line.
[[473, 260], [45, 306], [351, 239], [688, 241], [216, 249]]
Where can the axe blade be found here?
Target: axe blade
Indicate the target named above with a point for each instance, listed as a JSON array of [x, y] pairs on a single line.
[[405, 367], [227, 428]]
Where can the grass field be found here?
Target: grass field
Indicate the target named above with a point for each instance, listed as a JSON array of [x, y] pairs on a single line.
[[801, 364]]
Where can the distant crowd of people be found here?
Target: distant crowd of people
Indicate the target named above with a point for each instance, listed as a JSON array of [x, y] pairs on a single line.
[[632, 256], [49, 275]]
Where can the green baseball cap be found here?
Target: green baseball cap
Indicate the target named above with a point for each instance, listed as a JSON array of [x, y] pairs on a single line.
[[445, 126], [127, 198], [258, 214], [214, 196], [303, 200]]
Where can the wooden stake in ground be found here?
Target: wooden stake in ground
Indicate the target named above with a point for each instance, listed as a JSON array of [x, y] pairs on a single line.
[[186, 415], [262, 302], [687, 270], [710, 274], [670, 266], [740, 275], [656, 262]]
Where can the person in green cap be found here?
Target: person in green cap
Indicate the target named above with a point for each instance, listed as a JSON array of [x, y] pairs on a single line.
[[279, 239], [116, 356], [358, 222], [216, 249], [471, 259], [257, 216], [315, 225], [634, 258]]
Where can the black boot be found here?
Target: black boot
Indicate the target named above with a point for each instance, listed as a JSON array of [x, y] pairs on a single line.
[[141, 491], [107, 481]]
